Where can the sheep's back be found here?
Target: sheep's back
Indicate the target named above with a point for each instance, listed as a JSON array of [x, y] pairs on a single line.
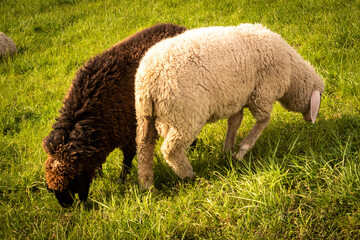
[[207, 72]]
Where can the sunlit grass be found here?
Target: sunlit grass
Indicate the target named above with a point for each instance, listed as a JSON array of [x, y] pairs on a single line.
[[299, 180]]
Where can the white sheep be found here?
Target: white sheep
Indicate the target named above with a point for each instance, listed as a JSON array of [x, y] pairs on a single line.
[[7, 46], [208, 74]]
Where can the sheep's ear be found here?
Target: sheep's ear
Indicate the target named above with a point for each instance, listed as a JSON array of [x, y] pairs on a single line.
[[314, 105]]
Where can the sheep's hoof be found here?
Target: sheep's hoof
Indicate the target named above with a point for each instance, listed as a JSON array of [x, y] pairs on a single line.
[[226, 149], [235, 156], [151, 189], [238, 155], [191, 177], [154, 190], [146, 183], [188, 180]]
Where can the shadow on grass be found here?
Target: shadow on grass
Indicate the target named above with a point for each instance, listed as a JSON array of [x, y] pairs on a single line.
[[280, 143], [326, 140]]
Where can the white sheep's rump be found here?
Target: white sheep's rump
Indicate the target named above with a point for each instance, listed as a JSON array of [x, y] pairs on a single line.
[[204, 75]]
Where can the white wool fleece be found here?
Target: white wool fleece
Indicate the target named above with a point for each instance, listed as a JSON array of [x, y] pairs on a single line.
[[208, 74]]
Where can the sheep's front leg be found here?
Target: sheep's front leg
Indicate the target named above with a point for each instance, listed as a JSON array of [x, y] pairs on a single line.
[[233, 125], [251, 138], [174, 151], [146, 139]]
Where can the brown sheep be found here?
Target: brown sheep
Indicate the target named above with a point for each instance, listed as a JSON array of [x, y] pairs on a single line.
[[98, 115]]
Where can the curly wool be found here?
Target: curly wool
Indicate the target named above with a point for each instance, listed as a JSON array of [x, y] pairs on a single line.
[[208, 74], [98, 113]]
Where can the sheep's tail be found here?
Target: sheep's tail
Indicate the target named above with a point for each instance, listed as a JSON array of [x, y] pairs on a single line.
[[144, 80]]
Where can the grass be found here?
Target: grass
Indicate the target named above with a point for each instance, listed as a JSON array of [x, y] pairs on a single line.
[[299, 181]]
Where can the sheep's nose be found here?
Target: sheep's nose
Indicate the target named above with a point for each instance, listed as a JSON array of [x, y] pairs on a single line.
[[307, 116]]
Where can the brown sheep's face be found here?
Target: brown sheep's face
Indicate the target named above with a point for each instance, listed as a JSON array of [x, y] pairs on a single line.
[[79, 185], [66, 178]]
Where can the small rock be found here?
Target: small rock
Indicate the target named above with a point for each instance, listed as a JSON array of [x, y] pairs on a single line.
[[7, 46]]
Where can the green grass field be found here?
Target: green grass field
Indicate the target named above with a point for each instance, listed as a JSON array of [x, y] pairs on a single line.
[[300, 181]]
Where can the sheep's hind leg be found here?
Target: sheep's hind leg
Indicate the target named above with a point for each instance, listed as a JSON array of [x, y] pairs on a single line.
[[174, 151], [251, 138], [127, 162], [233, 125], [146, 139]]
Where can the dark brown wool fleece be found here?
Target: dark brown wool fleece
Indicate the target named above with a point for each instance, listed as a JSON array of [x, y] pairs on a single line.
[[98, 113]]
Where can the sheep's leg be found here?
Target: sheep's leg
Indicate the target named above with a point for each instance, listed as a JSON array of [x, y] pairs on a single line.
[[233, 125], [251, 138], [174, 152], [146, 139], [128, 157]]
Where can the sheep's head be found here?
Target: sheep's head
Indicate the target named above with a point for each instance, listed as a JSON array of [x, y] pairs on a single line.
[[304, 97], [66, 180], [65, 174]]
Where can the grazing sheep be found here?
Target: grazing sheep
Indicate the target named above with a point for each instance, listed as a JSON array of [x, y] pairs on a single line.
[[7, 46], [98, 115], [208, 74]]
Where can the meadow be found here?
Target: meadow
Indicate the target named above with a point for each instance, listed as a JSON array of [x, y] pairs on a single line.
[[300, 181]]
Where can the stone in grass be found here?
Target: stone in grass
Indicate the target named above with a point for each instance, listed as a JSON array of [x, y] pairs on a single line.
[[7, 46]]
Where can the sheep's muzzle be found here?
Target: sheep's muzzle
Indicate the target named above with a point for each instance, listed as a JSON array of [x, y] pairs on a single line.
[[307, 116], [78, 186]]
